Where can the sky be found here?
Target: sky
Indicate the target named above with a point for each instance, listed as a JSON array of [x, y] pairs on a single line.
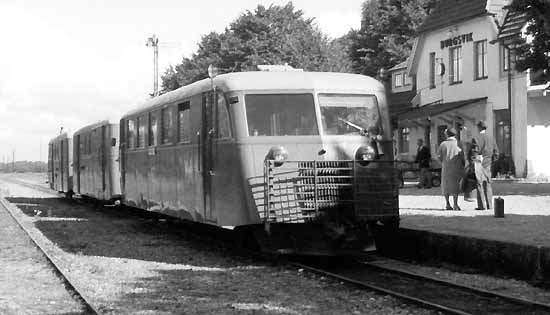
[[70, 63]]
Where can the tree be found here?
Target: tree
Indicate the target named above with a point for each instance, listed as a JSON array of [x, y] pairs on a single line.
[[535, 53], [273, 35], [388, 29]]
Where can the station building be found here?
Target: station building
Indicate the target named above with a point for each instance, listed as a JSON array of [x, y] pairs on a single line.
[[461, 71]]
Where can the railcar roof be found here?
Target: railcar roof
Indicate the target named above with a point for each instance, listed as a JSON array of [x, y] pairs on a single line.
[[267, 80], [61, 136], [92, 126]]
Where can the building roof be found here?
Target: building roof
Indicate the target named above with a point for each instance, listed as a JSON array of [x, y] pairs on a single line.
[[510, 31], [437, 108], [449, 12], [399, 66]]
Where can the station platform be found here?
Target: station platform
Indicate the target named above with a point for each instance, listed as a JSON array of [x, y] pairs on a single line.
[[517, 244]]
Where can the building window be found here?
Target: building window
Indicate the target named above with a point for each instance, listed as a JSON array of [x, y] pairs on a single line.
[[480, 52], [406, 79], [166, 125], [141, 131], [184, 122], [432, 70], [153, 125], [404, 137], [398, 80], [455, 60], [506, 53]]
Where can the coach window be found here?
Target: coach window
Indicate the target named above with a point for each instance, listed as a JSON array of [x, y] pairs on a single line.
[[153, 124], [184, 122], [166, 125], [224, 126], [141, 131], [280, 115], [131, 133]]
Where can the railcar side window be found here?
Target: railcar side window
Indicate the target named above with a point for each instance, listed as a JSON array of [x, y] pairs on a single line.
[[141, 131], [281, 115], [153, 124], [348, 113], [184, 122], [131, 133], [166, 125], [224, 126]]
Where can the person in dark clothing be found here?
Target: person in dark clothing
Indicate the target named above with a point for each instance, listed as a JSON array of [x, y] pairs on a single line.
[[487, 147], [423, 158]]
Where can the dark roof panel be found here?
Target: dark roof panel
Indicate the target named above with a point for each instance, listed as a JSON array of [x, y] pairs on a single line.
[[512, 25], [449, 12], [437, 108]]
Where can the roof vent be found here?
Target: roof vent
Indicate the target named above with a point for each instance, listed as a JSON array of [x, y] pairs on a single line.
[[278, 68]]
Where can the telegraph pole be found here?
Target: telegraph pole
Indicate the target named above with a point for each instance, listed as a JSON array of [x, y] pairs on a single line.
[[153, 42]]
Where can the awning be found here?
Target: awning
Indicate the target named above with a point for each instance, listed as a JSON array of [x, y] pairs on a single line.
[[436, 109]]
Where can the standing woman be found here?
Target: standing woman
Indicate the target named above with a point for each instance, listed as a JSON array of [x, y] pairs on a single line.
[[452, 164]]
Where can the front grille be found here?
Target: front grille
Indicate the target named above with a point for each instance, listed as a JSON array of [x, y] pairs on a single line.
[[299, 191]]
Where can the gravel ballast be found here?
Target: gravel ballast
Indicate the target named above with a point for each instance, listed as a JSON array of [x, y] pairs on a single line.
[[135, 265]]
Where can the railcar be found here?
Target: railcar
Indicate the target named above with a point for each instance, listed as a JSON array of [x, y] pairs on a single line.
[[294, 162], [95, 161], [60, 172]]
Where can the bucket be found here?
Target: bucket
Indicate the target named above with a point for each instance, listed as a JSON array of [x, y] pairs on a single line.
[[499, 207]]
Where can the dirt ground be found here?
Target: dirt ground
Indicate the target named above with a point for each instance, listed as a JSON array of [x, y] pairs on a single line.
[[131, 265]]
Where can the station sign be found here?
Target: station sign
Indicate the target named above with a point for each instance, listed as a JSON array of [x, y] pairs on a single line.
[[457, 40]]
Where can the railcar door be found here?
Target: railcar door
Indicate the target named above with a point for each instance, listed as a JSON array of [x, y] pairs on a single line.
[[207, 139]]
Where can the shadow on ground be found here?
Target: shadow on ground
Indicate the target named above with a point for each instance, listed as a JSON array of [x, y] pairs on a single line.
[[85, 229]]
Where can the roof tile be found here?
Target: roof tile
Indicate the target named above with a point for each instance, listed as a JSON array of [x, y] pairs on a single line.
[[449, 12]]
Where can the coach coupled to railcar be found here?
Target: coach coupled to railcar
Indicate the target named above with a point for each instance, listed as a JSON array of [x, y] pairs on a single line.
[[96, 172], [295, 161], [60, 172]]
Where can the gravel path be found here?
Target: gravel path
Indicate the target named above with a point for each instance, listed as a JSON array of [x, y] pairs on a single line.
[[132, 265], [27, 283]]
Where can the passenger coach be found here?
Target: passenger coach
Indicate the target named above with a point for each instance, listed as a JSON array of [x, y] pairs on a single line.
[[95, 161], [293, 157], [60, 172]]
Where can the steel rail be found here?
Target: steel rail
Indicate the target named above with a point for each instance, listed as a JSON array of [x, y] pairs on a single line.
[[77, 294], [366, 285], [538, 308], [459, 286]]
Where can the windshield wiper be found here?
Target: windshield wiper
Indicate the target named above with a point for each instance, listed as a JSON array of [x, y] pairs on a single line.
[[359, 128]]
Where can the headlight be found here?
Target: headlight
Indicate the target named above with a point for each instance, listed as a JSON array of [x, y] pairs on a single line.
[[365, 154], [278, 154]]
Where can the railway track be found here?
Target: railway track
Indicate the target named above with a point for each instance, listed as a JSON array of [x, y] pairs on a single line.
[[447, 297], [87, 307]]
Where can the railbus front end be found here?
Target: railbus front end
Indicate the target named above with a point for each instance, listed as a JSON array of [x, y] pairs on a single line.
[[319, 164]]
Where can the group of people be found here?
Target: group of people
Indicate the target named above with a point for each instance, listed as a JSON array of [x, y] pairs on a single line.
[[460, 171]]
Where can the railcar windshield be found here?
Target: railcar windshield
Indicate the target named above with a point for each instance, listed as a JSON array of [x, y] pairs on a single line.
[[344, 114], [281, 115]]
